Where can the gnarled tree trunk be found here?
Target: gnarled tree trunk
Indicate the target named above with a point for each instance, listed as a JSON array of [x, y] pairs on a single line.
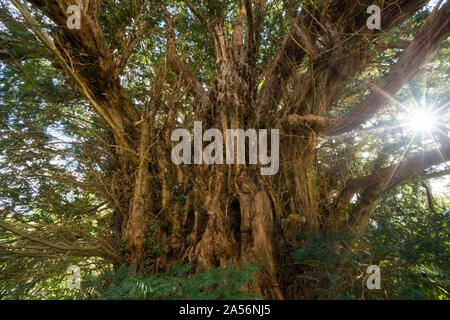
[[224, 215]]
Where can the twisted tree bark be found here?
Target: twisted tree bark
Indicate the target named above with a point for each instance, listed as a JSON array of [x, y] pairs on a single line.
[[223, 215]]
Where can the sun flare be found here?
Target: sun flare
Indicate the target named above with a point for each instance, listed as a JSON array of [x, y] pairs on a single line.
[[422, 120]]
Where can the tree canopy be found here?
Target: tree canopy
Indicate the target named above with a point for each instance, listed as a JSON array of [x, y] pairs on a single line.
[[86, 176]]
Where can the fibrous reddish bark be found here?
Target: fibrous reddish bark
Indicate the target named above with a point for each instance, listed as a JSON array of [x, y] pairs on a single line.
[[230, 215]]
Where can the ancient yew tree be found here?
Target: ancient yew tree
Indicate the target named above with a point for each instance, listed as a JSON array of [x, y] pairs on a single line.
[[115, 89]]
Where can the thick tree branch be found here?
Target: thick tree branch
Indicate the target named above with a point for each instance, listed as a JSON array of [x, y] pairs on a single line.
[[430, 198], [345, 52], [388, 177], [195, 11], [381, 181], [238, 36], [130, 45], [74, 50], [282, 68], [429, 37], [422, 177], [177, 64], [96, 250]]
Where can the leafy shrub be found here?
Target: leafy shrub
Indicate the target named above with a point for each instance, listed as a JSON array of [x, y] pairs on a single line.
[[406, 239], [217, 283]]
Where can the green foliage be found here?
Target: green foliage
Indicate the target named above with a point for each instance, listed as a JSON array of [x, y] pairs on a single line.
[[152, 242], [412, 245], [405, 239], [54, 150], [333, 261], [218, 283]]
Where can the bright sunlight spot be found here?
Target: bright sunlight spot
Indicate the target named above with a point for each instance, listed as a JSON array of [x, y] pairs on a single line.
[[421, 120]]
